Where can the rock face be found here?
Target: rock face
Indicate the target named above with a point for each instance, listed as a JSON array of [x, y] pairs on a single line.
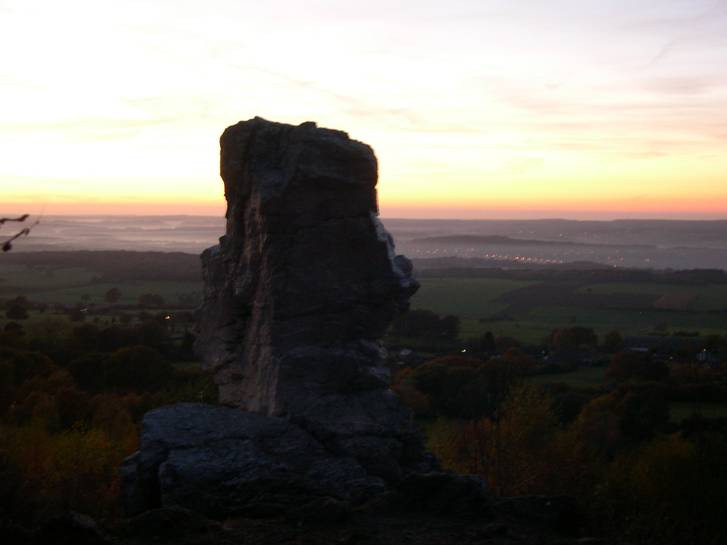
[[302, 287], [225, 462], [297, 296], [305, 281], [221, 461]]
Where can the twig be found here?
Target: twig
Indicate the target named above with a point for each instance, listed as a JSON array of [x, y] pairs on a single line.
[[8, 244], [20, 218]]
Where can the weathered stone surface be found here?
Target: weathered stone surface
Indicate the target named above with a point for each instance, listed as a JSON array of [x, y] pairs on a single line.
[[305, 281], [297, 296], [222, 461]]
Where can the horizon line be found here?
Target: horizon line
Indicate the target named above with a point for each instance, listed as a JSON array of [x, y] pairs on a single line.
[[397, 218]]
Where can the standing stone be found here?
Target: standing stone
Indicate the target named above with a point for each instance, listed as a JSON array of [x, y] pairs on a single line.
[[302, 287], [305, 281], [298, 294]]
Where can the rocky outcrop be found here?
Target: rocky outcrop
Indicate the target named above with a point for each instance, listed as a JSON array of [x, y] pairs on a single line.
[[224, 462], [221, 461], [298, 294], [302, 287], [305, 281]]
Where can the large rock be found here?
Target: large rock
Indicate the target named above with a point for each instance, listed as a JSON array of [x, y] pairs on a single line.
[[222, 461], [301, 288], [305, 281], [297, 296], [225, 462]]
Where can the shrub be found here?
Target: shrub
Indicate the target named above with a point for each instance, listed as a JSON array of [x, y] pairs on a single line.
[[137, 368]]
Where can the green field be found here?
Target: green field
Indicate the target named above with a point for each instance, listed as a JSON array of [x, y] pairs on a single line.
[[32, 280], [694, 298], [130, 292], [76, 285], [527, 310], [634, 322], [530, 310], [464, 297], [583, 377], [680, 411], [525, 331]]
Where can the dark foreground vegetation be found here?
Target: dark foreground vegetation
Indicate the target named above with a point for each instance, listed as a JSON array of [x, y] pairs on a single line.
[[72, 392], [634, 471], [606, 387]]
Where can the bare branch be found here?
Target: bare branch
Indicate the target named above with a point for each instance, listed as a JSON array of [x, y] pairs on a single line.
[[7, 245], [19, 218]]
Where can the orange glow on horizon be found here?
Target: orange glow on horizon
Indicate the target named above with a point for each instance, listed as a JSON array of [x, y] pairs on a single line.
[[668, 208]]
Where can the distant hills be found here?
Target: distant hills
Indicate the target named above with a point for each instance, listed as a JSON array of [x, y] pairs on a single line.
[[647, 244], [499, 240]]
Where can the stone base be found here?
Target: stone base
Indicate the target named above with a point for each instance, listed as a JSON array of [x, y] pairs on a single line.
[[222, 462]]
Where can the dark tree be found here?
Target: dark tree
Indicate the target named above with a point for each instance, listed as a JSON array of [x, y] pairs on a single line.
[[90, 371], [138, 368], [113, 295], [76, 314], [16, 312], [612, 342], [573, 337], [487, 342], [151, 300], [426, 324], [626, 366], [466, 387]]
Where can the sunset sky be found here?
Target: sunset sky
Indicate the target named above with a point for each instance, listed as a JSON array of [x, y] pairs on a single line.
[[476, 109]]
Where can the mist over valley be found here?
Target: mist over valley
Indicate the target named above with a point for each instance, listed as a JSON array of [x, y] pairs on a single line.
[[660, 244]]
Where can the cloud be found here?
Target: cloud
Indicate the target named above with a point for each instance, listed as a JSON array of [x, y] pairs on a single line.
[[663, 52], [8, 81], [647, 154], [89, 123], [520, 165], [682, 85], [350, 105]]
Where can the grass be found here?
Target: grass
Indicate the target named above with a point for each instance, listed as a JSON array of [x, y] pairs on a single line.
[[583, 377], [130, 293], [76, 286], [32, 280], [679, 411], [525, 331], [482, 304], [635, 322], [479, 301], [464, 297], [695, 298]]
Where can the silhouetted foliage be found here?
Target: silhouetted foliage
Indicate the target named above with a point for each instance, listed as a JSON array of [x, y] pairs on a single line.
[[151, 300], [66, 428], [16, 312], [426, 324], [466, 387], [634, 365], [112, 296], [612, 342], [90, 371], [137, 368], [487, 342], [573, 337]]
